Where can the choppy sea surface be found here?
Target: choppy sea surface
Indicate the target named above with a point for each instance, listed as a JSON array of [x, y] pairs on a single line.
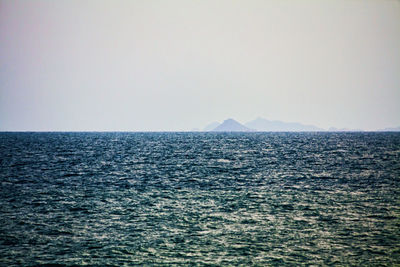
[[199, 199]]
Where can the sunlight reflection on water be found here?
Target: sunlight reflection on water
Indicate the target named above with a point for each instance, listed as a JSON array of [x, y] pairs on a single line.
[[200, 198]]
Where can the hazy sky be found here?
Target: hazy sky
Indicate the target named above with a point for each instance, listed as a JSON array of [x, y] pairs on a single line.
[[176, 65]]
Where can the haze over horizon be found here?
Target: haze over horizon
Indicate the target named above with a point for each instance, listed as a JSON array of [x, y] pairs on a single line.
[[178, 65]]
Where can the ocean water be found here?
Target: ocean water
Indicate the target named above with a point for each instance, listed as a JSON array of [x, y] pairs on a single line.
[[199, 199]]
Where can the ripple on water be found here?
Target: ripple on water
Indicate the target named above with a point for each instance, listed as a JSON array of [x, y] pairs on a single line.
[[199, 198]]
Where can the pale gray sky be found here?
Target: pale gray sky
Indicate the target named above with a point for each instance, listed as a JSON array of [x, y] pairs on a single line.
[[176, 65]]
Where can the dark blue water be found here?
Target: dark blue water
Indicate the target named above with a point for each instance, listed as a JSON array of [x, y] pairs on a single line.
[[199, 198]]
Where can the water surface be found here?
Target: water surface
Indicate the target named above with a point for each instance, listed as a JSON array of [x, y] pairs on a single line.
[[199, 198]]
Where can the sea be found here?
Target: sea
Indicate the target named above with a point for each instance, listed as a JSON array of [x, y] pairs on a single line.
[[199, 199]]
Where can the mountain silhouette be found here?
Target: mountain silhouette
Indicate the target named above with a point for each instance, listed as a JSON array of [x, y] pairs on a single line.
[[261, 124], [230, 125], [264, 125]]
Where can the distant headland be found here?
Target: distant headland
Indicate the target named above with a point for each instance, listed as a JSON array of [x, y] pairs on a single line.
[[264, 125]]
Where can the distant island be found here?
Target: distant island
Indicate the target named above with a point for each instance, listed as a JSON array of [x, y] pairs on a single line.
[[264, 125], [230, 125], [259, 124]]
